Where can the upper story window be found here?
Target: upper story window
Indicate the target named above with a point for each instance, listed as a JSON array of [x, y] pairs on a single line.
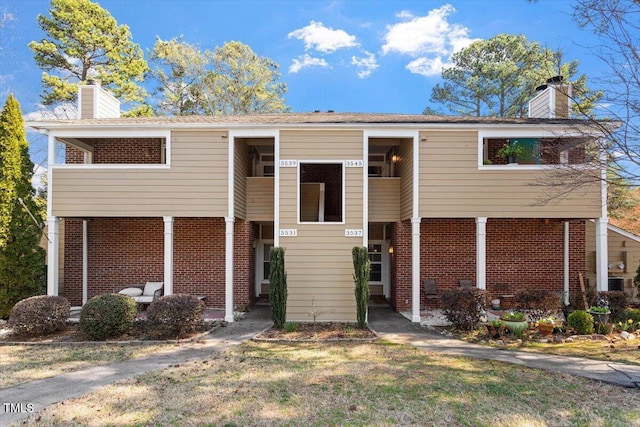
[[321, 192], [534, 151]]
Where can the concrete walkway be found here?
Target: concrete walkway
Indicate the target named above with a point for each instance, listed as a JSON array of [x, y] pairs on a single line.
[[388, 324], [45, 392], [396, 328]]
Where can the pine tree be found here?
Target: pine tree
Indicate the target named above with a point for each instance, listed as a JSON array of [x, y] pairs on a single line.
[[21, 258], [85, 42]]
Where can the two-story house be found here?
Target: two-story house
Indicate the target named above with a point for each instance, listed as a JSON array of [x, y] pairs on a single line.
[[196, 202]]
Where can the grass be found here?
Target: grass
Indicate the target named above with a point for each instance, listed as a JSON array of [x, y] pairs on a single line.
[[20, 364], [620, 351], [319, 384]]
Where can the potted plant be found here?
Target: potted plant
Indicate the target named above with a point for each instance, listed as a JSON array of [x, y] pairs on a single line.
[[545, 326], [515, 321], [495, 328], [600, 314], [511, 151]]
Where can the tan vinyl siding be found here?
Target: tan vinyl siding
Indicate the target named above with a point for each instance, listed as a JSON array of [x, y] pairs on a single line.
[[405, 170], [86, 103], [241, 172], [194, 186], [539, 106], [620, 249], [107, 107], [318, 261], [452, 186], [384, 199], [259, 198]]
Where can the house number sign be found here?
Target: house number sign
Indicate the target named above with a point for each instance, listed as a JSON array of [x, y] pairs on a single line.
[[352, 232], [288, 163], [354, 163], [288, 232]]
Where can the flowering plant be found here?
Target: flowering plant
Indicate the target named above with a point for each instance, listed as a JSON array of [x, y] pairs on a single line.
[[629, 325], [513, 316]]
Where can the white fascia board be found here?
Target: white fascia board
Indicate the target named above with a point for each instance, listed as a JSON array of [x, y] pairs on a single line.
[[100, 132], [252, 133]]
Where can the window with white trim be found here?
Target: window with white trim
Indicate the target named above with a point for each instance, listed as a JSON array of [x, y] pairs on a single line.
[[321, 192]]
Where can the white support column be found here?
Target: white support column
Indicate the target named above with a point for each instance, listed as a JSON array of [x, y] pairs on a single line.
[[85, 262], [602, 256], [415, 269], [168, 255], [228, 288], [566, 263], [481, 252], [53, 224]]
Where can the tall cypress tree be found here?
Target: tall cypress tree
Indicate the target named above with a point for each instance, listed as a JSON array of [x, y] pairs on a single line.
[[21, 257]]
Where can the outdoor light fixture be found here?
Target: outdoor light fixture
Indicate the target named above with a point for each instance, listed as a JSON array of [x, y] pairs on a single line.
[[390, 249], [395, 158]]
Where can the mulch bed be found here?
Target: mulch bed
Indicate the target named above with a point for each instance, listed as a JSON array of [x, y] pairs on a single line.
[[72, 333], [324, 331]]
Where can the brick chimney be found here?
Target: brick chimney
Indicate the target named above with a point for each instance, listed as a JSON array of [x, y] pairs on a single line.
[[553, 100], [94, 102]]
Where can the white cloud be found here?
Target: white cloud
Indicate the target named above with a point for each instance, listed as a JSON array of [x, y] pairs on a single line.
[[366, 64], [427, 67], [428, 38], [306, 61], [317, 36]]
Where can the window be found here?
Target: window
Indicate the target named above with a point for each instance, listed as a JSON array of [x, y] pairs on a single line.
[[375, 256], [266, 266], [266, 166], [534, 151], [321, 195]]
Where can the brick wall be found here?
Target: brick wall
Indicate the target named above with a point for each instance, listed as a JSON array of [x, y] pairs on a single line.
[[401, 265], [119, 151], [528, 253], [524, 253], [244, 264], [126, 251], [199, 258], [447, 252], [72, 261]]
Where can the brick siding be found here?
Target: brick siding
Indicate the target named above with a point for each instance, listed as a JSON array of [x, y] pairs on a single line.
[[119, 151], [127, 251], [524, 253]]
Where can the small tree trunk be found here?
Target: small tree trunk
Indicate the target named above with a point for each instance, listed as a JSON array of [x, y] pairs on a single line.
[[361, 267], [277, 287]]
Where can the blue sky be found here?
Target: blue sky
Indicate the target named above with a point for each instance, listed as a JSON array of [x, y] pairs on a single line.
[[344, 55]]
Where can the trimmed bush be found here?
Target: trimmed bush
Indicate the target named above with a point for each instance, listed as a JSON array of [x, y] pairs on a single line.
[[537, 303], [107, 316], [172, 316], [581, 321], [617, 302], [361, 268], [463, 307], [39, 315], [277, 287]]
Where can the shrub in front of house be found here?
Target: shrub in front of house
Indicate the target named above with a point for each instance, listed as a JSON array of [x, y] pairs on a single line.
[[107, 316], [277, 287], [39, 315], [463, 307], [537, 303], [172, 316], [581, 321], [633, 314]]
